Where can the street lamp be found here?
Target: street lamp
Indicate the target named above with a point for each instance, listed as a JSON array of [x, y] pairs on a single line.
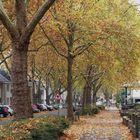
[[126, 90]]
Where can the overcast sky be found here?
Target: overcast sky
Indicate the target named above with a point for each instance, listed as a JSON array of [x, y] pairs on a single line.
[[135, 1]]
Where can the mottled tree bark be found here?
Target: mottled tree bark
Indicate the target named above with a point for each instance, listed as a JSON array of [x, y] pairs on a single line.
[[21, 98], [96, 86], [87, 87], [47, 91], [87, 94], [94, 97], [69, 88], [20, 32]]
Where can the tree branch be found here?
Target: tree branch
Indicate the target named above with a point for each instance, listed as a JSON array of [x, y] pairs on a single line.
[[37, 49], [5, 59], [54, 15], [51, 42], [36, 18], [63, 36], [7, 22], [83, 48]]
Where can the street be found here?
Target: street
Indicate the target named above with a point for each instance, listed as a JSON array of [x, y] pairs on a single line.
[[62, 112]]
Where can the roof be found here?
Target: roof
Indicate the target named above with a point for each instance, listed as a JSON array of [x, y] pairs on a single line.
[[132, 85], [3, 79], [5, 74]]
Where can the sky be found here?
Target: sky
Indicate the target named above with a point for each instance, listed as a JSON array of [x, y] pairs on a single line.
[[135, 1]]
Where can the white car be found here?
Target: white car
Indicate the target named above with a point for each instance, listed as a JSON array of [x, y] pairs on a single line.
[[99, 103], [44, 108], [49, 107], [60, 106]]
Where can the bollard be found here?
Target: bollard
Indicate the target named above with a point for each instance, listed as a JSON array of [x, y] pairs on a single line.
[[137, 125], [134, 124], [77, 115], [133, 118], [130, 124]]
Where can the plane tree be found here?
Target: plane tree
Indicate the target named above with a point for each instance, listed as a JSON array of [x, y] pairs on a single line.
[[20, 30]]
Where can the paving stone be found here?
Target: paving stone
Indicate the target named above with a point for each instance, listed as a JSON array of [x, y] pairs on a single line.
[[107, 125], [104, 131]]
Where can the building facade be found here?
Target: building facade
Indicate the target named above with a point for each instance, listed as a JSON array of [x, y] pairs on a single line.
[[5, 90]]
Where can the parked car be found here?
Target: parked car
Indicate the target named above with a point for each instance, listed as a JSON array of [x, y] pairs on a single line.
[[4, 111], [57, 106], [10, 110], [65, 106], [60, 106], [35, 109], [128, 106], [99, 103], [41, 107], [49, 107], [76, 107]]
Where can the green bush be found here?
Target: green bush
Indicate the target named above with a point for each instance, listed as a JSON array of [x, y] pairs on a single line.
[[48, 131], [137, 107], [101, 107], [95, 109], [129, 114], [90, 110], [34, 129], [87, 110]]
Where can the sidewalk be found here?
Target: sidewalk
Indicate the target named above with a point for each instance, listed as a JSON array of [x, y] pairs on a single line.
[[106, 125]]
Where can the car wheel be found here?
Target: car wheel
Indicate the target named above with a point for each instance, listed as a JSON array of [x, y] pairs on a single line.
[[10, 114], [4, 115]]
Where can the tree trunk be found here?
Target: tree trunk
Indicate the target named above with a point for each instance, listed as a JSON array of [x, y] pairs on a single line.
[[94, 97], [87, 92], [47, 91], [106, 94], [39, 91], [33, 96], [96, 86], [69, 89], [84, 97], [21, 100], [20, 32], [87, 95]]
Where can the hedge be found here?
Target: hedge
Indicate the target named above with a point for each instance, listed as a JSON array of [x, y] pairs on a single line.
[[91, 109], [48, 128]]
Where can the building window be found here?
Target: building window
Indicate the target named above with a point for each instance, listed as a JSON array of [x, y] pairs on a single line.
[[8, 88], [8, 101], [0, 100]]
